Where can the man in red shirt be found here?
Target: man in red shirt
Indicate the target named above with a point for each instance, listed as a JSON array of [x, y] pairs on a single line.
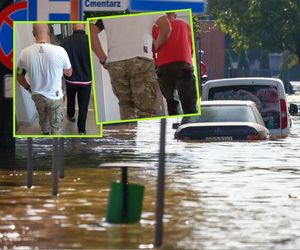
[[174, 61]]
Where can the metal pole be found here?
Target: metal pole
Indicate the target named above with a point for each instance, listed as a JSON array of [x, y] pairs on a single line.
[[160, 186], [54, 167], [29, 163], [125, 192], [61, 159]]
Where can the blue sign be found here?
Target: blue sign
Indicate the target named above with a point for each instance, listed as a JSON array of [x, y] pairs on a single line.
[[197, 6], [54, 10]]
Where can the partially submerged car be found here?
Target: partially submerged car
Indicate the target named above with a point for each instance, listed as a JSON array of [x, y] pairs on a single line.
[[267, 93], [224, 121]]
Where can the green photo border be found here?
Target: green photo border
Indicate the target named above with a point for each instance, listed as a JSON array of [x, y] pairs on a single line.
[[15, 135], [194, 59]]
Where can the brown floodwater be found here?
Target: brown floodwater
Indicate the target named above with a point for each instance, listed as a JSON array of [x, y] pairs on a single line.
[[227, 195]]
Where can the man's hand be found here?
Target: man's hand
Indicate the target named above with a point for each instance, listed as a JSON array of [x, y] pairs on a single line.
[[23, 82], [102, 61]]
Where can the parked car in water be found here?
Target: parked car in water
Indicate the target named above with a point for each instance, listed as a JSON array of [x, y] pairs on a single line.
[[267, 93], [223, 121]]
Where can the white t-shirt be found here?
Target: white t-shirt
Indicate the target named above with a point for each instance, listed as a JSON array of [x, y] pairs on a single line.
[[129, 37], [44, 63]]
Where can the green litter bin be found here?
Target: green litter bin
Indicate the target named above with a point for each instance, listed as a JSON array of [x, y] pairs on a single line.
[[125, 203]]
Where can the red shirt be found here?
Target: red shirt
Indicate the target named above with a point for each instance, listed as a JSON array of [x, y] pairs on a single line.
[[178, 48]]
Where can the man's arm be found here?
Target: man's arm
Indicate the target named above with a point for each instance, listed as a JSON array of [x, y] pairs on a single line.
[[96, 45], [190, 40], [23, 82], [165, 31], [68, 72]]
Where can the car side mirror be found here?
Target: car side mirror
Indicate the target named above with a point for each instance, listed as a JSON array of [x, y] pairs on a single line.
[[293, 109], [175, 125]]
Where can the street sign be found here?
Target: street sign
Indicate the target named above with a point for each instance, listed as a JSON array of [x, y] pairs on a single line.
[[52, 10], [197, 6], [100, 5], [14, 12]]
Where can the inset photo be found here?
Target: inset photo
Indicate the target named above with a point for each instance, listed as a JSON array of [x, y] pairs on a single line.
[[144, 66], [53, 94]]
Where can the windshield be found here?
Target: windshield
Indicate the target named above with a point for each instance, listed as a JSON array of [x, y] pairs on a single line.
[[265, 96], [222, 114]]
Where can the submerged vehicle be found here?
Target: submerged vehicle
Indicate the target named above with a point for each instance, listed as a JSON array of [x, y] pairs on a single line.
[[224, 121], [267, 93]]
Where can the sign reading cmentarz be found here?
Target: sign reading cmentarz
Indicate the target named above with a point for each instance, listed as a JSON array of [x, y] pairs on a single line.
[[105, 5]]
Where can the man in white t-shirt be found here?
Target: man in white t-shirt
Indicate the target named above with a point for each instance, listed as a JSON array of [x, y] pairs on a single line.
[[130, 61], [45, 65]]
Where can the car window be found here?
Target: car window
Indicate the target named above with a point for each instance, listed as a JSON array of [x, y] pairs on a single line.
[[222, 114], [266, 98]]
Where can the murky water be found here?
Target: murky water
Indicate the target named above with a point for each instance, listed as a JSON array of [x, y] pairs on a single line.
[[218, 195]]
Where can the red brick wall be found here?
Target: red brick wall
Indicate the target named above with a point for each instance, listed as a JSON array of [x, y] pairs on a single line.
[[212, 41]]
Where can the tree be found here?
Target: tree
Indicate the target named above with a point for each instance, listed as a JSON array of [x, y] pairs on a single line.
[[264, 63], [284, 74], [271, 24], [243, 62]]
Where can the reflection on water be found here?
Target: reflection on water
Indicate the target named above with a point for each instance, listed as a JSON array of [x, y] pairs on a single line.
[[218, 195]]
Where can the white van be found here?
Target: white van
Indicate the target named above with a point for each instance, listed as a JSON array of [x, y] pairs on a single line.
[[267, 93]]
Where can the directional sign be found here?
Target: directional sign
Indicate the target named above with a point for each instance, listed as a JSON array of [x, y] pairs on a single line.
[[54, 10], [197, 6], [108, 5]]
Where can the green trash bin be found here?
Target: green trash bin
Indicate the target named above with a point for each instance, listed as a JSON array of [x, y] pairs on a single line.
[[120, 210]]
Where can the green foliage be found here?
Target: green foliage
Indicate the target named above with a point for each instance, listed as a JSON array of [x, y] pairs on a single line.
[[264, 60], [273, 25], [196, 24]]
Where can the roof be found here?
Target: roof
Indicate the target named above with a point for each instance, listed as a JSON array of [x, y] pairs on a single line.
[[227, 103]]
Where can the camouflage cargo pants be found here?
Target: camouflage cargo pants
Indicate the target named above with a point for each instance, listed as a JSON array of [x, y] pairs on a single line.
[[51, 114], [134, 83]]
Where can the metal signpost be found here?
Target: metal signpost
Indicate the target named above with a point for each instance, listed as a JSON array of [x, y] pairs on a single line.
[[54, 166], [160, 196], [29, 162], [61, 158]]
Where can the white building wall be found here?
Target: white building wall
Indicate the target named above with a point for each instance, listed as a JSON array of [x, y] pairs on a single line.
[[25, 107], [107, 102]]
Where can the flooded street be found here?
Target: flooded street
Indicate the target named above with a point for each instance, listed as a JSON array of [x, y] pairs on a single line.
[[218, 195]]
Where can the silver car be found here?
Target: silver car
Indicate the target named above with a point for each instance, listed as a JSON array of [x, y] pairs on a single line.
[[224, 121]]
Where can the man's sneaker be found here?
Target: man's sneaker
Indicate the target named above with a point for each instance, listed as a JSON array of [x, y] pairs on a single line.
[[72, 119], [82, 133], [46, 133]]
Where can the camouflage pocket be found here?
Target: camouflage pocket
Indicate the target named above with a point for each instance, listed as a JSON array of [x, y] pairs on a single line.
[[57, 116]]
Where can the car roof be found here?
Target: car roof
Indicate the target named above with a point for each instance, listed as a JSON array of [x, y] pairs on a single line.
[[247, 80], [227, 103]]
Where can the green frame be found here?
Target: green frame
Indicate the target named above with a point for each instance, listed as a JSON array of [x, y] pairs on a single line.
[[194, 58], [15, 135]]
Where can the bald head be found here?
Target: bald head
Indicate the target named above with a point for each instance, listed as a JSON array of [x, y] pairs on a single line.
[[78, 26], [40, 31]]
